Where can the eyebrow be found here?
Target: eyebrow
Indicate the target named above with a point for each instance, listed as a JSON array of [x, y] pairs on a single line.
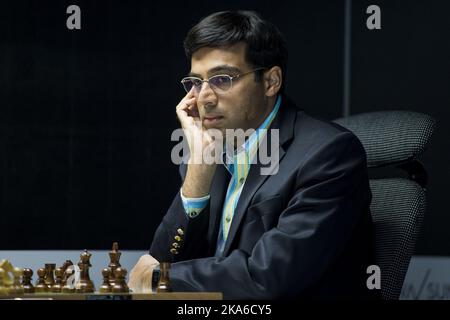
[[217, 70]]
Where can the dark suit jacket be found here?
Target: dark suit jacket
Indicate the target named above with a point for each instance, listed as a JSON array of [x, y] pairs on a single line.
[[303, 232]]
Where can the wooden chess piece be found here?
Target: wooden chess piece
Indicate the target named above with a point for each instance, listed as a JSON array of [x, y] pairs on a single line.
[[85, 285], [49, 274], [3, 288], [114, 257], [105, 287], [26, 281], [164, 281], [120, 284], [17, 288], [8, 269], [68, 286], [63, 268], [41, 286], [57, 287]]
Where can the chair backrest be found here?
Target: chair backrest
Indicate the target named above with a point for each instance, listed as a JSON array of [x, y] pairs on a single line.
[[394, 138]]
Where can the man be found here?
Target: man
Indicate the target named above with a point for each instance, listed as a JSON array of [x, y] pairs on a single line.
[[303, 230]]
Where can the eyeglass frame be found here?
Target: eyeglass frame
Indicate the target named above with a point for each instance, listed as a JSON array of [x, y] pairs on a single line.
[[220, 75]]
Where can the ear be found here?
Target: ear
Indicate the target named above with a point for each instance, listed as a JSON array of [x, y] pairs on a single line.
[[272, 81]]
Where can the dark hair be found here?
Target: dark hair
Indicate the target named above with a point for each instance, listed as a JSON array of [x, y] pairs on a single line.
[[266, 46]]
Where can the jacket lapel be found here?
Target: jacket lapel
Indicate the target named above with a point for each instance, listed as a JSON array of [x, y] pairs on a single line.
[[284, 121]]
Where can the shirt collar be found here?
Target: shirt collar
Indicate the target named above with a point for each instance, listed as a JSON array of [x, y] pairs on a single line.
[[253, 138]]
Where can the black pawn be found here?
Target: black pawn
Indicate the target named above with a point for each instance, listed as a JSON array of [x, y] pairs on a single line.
[[41, 286], [105, 287], [26, 281], [120, 285], [57, 287]]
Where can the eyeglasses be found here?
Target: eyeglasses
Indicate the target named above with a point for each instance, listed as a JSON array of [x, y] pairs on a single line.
[[220, 83]]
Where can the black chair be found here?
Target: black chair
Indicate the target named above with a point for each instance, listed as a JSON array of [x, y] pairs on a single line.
[[394, 139]]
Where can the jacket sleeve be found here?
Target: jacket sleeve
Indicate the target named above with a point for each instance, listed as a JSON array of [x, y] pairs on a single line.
[[331, 193], [179, 237]]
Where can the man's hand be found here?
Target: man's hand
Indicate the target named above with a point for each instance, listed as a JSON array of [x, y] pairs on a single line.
[[141, 274], [199, 174]]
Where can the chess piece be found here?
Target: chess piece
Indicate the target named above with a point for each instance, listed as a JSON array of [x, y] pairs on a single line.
[[164, 281], [49, 274], [63, 268], [120, 285], [105, 287], [8, 269], [85, 285], [57, 287], [114, 257], [3, 288], [26, 281], [41, 286], [16, 288], [69, 287]]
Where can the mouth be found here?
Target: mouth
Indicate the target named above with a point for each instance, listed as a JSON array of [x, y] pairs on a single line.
[[212, 120]]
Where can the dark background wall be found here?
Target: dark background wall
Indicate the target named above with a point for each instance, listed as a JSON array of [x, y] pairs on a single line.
[[406, 66], [86, 116]]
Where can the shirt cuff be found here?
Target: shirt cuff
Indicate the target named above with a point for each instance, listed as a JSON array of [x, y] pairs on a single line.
[[193, 206]]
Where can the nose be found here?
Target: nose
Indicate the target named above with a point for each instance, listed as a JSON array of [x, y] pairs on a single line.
[[206, 96]]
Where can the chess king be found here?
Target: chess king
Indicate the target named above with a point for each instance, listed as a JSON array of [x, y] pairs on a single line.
[[304, 231]]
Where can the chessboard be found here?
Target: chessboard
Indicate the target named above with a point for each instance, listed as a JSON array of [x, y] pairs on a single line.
[[73, 282], [115, 296]]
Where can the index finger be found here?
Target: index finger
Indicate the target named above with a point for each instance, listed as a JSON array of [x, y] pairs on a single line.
[[190, 94]]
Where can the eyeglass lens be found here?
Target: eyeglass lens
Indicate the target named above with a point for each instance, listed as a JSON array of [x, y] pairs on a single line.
[[221, 82]]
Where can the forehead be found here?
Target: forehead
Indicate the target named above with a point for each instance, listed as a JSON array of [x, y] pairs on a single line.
[[207, 58]]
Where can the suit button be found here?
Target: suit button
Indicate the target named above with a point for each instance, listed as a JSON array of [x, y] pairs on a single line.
[[241, 180], [180, 232], [228, 219], [177, 238], [174, 251], [175, 245]]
